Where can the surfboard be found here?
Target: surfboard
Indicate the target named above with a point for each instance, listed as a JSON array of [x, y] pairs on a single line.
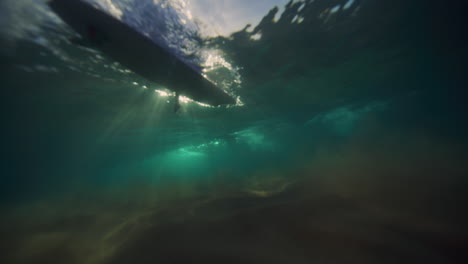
[[138, 52]]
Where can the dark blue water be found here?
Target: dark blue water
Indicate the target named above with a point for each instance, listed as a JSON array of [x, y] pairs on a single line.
[[348, 143]]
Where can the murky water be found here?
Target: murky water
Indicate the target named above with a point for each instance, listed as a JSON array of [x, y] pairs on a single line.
[[347, 144]]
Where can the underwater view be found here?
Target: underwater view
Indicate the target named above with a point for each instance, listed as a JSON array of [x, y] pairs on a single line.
[[233, 131]]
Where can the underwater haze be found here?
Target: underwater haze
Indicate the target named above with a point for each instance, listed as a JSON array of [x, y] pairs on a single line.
[[347, 144]]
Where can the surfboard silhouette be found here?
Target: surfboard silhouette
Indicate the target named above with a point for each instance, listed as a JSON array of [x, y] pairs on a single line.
[[137, 52]]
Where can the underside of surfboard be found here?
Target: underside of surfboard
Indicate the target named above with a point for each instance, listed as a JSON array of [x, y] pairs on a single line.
[[137, 52]]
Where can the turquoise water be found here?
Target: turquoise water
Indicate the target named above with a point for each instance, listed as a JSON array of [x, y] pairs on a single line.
[[348, 142]]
